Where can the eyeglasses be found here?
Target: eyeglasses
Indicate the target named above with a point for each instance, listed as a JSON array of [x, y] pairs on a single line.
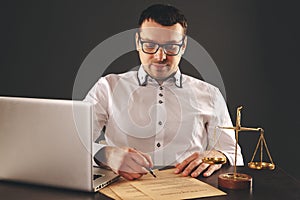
[[169, 49]]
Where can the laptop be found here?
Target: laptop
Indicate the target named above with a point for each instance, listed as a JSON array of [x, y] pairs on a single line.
[[49, 142]]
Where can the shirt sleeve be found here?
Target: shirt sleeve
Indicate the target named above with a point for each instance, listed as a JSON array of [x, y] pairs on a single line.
[[98, 97], [225, 137]]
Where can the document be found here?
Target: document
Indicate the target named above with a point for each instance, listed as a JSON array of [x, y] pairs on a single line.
[[167, 185], [123, 189]]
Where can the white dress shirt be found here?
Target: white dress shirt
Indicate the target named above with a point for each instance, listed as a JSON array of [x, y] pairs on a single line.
[[169, 121]]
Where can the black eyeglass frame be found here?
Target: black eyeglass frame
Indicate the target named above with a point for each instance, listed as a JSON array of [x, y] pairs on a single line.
[[161, 45]]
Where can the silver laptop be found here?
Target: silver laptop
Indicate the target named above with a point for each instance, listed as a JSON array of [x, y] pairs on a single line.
[[49, 142]]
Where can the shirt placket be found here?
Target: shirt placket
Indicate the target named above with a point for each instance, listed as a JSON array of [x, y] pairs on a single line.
[[161, 120]]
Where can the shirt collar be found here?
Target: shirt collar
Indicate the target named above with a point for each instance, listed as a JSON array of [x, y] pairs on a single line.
[[143, 77]]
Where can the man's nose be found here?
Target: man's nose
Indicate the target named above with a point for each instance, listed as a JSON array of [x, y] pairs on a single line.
[[160, 54]]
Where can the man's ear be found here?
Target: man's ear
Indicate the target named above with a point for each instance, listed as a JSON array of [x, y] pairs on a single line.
[[183, 46], [137, 44]]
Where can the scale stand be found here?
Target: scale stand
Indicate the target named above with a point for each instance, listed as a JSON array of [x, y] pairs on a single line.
[[236, 180]]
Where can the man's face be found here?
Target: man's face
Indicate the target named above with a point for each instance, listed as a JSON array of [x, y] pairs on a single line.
[[159, 65]]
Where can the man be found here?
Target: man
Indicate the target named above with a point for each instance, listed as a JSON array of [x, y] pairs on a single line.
[[156, 115]]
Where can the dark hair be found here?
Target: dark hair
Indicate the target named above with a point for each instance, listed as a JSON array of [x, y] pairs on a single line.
[[165, 15]]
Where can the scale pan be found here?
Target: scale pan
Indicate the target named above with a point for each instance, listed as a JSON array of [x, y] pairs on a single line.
[[261, 165], [214, 160]]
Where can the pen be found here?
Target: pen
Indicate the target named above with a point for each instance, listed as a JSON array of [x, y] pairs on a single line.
[[151, 172]]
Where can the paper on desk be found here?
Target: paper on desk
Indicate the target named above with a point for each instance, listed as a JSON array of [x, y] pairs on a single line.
[[108, 192], [174, 186], [167, 185], [123, 190]]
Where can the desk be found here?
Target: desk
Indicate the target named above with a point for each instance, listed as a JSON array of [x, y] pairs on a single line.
[[266, 185]]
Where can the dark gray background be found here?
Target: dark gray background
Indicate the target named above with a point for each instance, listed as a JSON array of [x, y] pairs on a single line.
[[253, 43]]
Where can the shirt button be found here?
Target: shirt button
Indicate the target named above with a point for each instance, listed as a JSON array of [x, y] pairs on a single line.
[[160, 94], [161, 88], [160, 101], [158, 144], [160, 123]]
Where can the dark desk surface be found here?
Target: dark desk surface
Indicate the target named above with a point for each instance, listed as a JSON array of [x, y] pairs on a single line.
[[274, 184]]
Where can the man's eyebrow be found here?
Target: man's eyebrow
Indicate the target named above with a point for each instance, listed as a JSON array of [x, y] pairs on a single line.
[[167, 42], [147, 40]]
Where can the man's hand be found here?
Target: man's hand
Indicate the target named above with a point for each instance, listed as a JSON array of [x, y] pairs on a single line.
[[194, 166], [127, 162]]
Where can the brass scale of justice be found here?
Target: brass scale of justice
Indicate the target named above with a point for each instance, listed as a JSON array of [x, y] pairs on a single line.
[[238, 180]]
